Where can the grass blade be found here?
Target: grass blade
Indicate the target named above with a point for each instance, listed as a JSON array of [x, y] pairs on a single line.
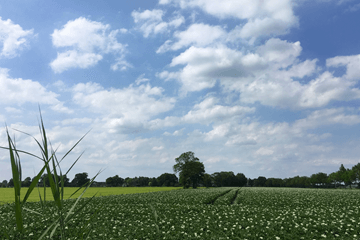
[[15, 162]]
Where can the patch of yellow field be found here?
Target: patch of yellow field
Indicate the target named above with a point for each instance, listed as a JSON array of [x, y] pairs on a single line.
[[7, 194]]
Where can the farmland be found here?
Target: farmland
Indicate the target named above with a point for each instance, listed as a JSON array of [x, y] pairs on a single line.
[[217, 213], [7, 194]]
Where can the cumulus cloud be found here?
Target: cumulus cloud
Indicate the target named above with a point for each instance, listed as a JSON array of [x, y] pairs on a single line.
[[205, 65], [208, 111], [280, 52], [205, 112], [84, 43], [124, 110], [17, 91], [198, 34], [151, 22], [271, 90], [352, 64], [263, 17], [327, 117], [287, 144], [270, 75], [13, 38], [282, 132]]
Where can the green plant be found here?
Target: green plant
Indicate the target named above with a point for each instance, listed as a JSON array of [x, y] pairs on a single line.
[[56, 183]]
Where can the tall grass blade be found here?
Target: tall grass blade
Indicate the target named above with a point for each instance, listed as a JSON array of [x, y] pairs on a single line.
[[15, 162], [33, 185], [57, 183]]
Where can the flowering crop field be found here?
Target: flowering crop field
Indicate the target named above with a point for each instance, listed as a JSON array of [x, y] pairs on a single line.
[[216, 213]]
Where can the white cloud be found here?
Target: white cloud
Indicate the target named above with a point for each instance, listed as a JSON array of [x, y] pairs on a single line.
[[13, 38], [157, 148], [352, 64], [271, 75], [150, 22], [327, 117], [198, 35], [17, 91], [74, 59], [75, 121], [88, 41], [271, 90], [263, 17], [264, 151], [280, 52], [124, 110], [141, 79], [206, 112], [12, 110], [282, 132], [205, 65]]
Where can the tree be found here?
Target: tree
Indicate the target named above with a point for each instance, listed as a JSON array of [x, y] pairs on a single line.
[[241, 179], [250, 182], [115, 181], [334, 178], [66, 181], [153, 182], [4, 184], [167, 179], [190, 168], [356, 171], [26, 182], [11, 183], [80, 179], [207, 180], [342, 173], [128, 182], [144, 181], [349, 177], [260, 182], [225, 179]]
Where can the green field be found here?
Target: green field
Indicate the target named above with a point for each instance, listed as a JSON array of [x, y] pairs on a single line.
[[216, 213], [7, 194]]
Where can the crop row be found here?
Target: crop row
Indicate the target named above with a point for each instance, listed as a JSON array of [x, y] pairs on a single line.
[[228, 198]]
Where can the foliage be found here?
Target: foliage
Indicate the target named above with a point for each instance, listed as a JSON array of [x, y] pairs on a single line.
[[190, 168], [260, 182], [80, 179], [228, 179], [167, 180], [51, 165], [115, 181], [207, 180], [4, 184]]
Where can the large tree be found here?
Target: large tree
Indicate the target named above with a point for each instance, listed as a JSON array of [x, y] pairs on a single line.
[[167, 179], [115, 181], [190, 168], [80, 179]]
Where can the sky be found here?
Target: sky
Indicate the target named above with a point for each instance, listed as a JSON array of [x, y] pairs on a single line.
[[261, 87]]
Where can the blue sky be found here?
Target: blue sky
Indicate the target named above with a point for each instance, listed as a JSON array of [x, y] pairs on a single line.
[[265, 88]]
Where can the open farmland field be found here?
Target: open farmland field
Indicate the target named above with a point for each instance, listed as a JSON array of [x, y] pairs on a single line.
[[7, 194], [218, 213]]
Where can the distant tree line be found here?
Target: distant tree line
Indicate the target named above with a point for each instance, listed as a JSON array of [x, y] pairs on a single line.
[[344, 177], [164, 180], [79, 180], [192, 174]]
